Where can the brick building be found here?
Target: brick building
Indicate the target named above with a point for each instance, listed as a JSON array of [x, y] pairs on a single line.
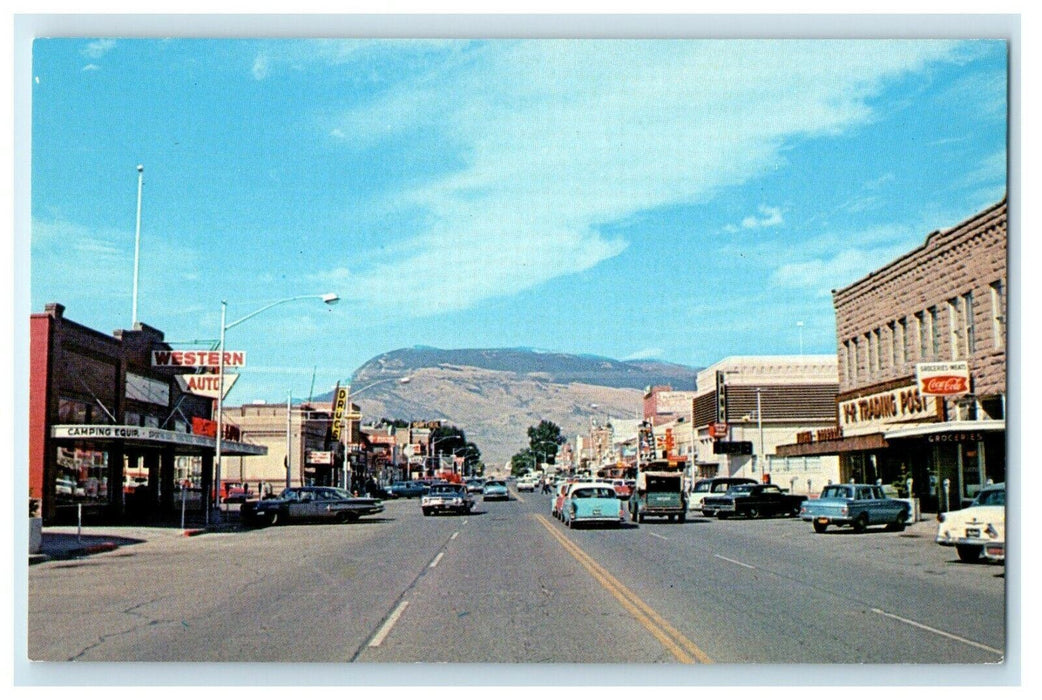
[[111, 433], [941, 307]]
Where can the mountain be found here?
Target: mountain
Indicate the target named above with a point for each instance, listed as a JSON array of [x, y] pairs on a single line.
[[494, 395]]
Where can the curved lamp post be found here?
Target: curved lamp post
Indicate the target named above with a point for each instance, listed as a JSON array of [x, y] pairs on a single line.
[[326, 298]]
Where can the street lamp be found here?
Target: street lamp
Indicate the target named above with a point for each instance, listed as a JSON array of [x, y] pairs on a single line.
[[326, 298]]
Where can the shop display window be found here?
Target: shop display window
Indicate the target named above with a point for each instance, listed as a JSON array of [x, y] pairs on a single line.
[[81, 476]]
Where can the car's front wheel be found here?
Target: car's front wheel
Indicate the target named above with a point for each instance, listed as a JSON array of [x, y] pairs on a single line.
[[753, 512], [969, 552], [273, 518], [899, 524]]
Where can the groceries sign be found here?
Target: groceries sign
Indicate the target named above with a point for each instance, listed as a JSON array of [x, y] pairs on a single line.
[[943, 378]]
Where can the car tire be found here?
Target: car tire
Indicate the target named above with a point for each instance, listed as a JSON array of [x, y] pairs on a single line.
[[721, 515], [794, 512], [899, 524], [273, 518], [820, 527], [860, 523], [969, 553], [682, 518], [753, 513], [426, 511]]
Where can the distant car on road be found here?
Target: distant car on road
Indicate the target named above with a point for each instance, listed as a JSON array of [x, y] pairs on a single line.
[[526, 484], [592, 503], [407, 489], [475, 484], [753, 501], [495, 490], [856, 505], [713, 486], [446, 497], [980, 529], [309, 503]]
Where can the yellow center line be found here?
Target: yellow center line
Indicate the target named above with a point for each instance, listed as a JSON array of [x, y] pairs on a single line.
[[676, 643]]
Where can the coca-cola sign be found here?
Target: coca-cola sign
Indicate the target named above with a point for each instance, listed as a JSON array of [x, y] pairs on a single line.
[[943, 378]]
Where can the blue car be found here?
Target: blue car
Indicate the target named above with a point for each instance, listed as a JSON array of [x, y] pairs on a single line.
[[495, 490], [407, 489], [592, 503], [857, 506]]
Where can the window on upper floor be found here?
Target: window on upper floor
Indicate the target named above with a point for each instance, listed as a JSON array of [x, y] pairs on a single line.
[[935, 332], [954, 324], [998, 314], [968, 329], [922, 323]]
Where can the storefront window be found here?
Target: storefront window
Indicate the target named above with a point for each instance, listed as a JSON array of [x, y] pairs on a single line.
[[81, 477], [72, 411]]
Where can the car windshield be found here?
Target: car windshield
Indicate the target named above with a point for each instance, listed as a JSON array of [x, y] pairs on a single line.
[[437, 490], [992, 497], [500, 484], [599, 492]]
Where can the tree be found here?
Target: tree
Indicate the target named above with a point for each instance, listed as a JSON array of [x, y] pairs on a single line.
[[522, 462], [544, 439]]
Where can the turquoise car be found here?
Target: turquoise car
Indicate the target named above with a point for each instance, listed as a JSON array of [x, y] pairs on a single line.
[[592, 503], [495, 491]]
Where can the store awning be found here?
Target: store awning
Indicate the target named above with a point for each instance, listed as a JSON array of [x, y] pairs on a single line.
[[853, 443], [134, 434], [963, 426]]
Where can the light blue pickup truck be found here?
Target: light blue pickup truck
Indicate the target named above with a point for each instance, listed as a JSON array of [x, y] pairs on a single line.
[[856, 505]]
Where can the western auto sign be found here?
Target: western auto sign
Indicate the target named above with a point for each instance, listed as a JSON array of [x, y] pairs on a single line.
[[943, 378], [197, 358], [208, 385]]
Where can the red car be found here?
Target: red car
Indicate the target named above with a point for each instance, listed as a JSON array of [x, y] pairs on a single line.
[[623, 489]]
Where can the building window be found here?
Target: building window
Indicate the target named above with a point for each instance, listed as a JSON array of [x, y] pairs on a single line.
[[71, 411], [853, 360], [967, 323], [924, 334], [953, 327], [902, 342], [846, 361], [998, 314], [894, 340], [873, 353], [935, 331]]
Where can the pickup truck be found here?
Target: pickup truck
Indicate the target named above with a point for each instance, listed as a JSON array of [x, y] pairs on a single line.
[[658, 493], [754, 501], [856, 505]]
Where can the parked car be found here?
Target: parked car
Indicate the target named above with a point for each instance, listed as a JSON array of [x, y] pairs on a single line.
[[495, 490], [658, 493], [592, 503], [475, 485], [980, 529], [856, 505], [713, 486], [753, 501], [557, 499], [309, 503], [446, 497], [622, 488], [408, 489]]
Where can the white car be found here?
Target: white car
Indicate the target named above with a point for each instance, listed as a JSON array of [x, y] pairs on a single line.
[[526, 484], [980, 529]]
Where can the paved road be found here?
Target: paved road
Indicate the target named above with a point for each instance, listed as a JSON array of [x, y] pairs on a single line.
[[510, 584]]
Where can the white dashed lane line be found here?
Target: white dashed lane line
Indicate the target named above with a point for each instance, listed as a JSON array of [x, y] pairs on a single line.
[[436, 560], [379, 637], [732, 561]]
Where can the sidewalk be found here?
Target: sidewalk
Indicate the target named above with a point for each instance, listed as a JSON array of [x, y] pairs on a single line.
[[68, 542]]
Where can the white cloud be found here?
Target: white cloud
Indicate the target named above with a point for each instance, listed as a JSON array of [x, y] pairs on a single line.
[[549, 156], [769, 216], [97, 49], [645, 354], [260, 67], [91, 66]]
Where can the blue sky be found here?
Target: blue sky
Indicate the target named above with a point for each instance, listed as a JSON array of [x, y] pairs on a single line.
[[678, 200]]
